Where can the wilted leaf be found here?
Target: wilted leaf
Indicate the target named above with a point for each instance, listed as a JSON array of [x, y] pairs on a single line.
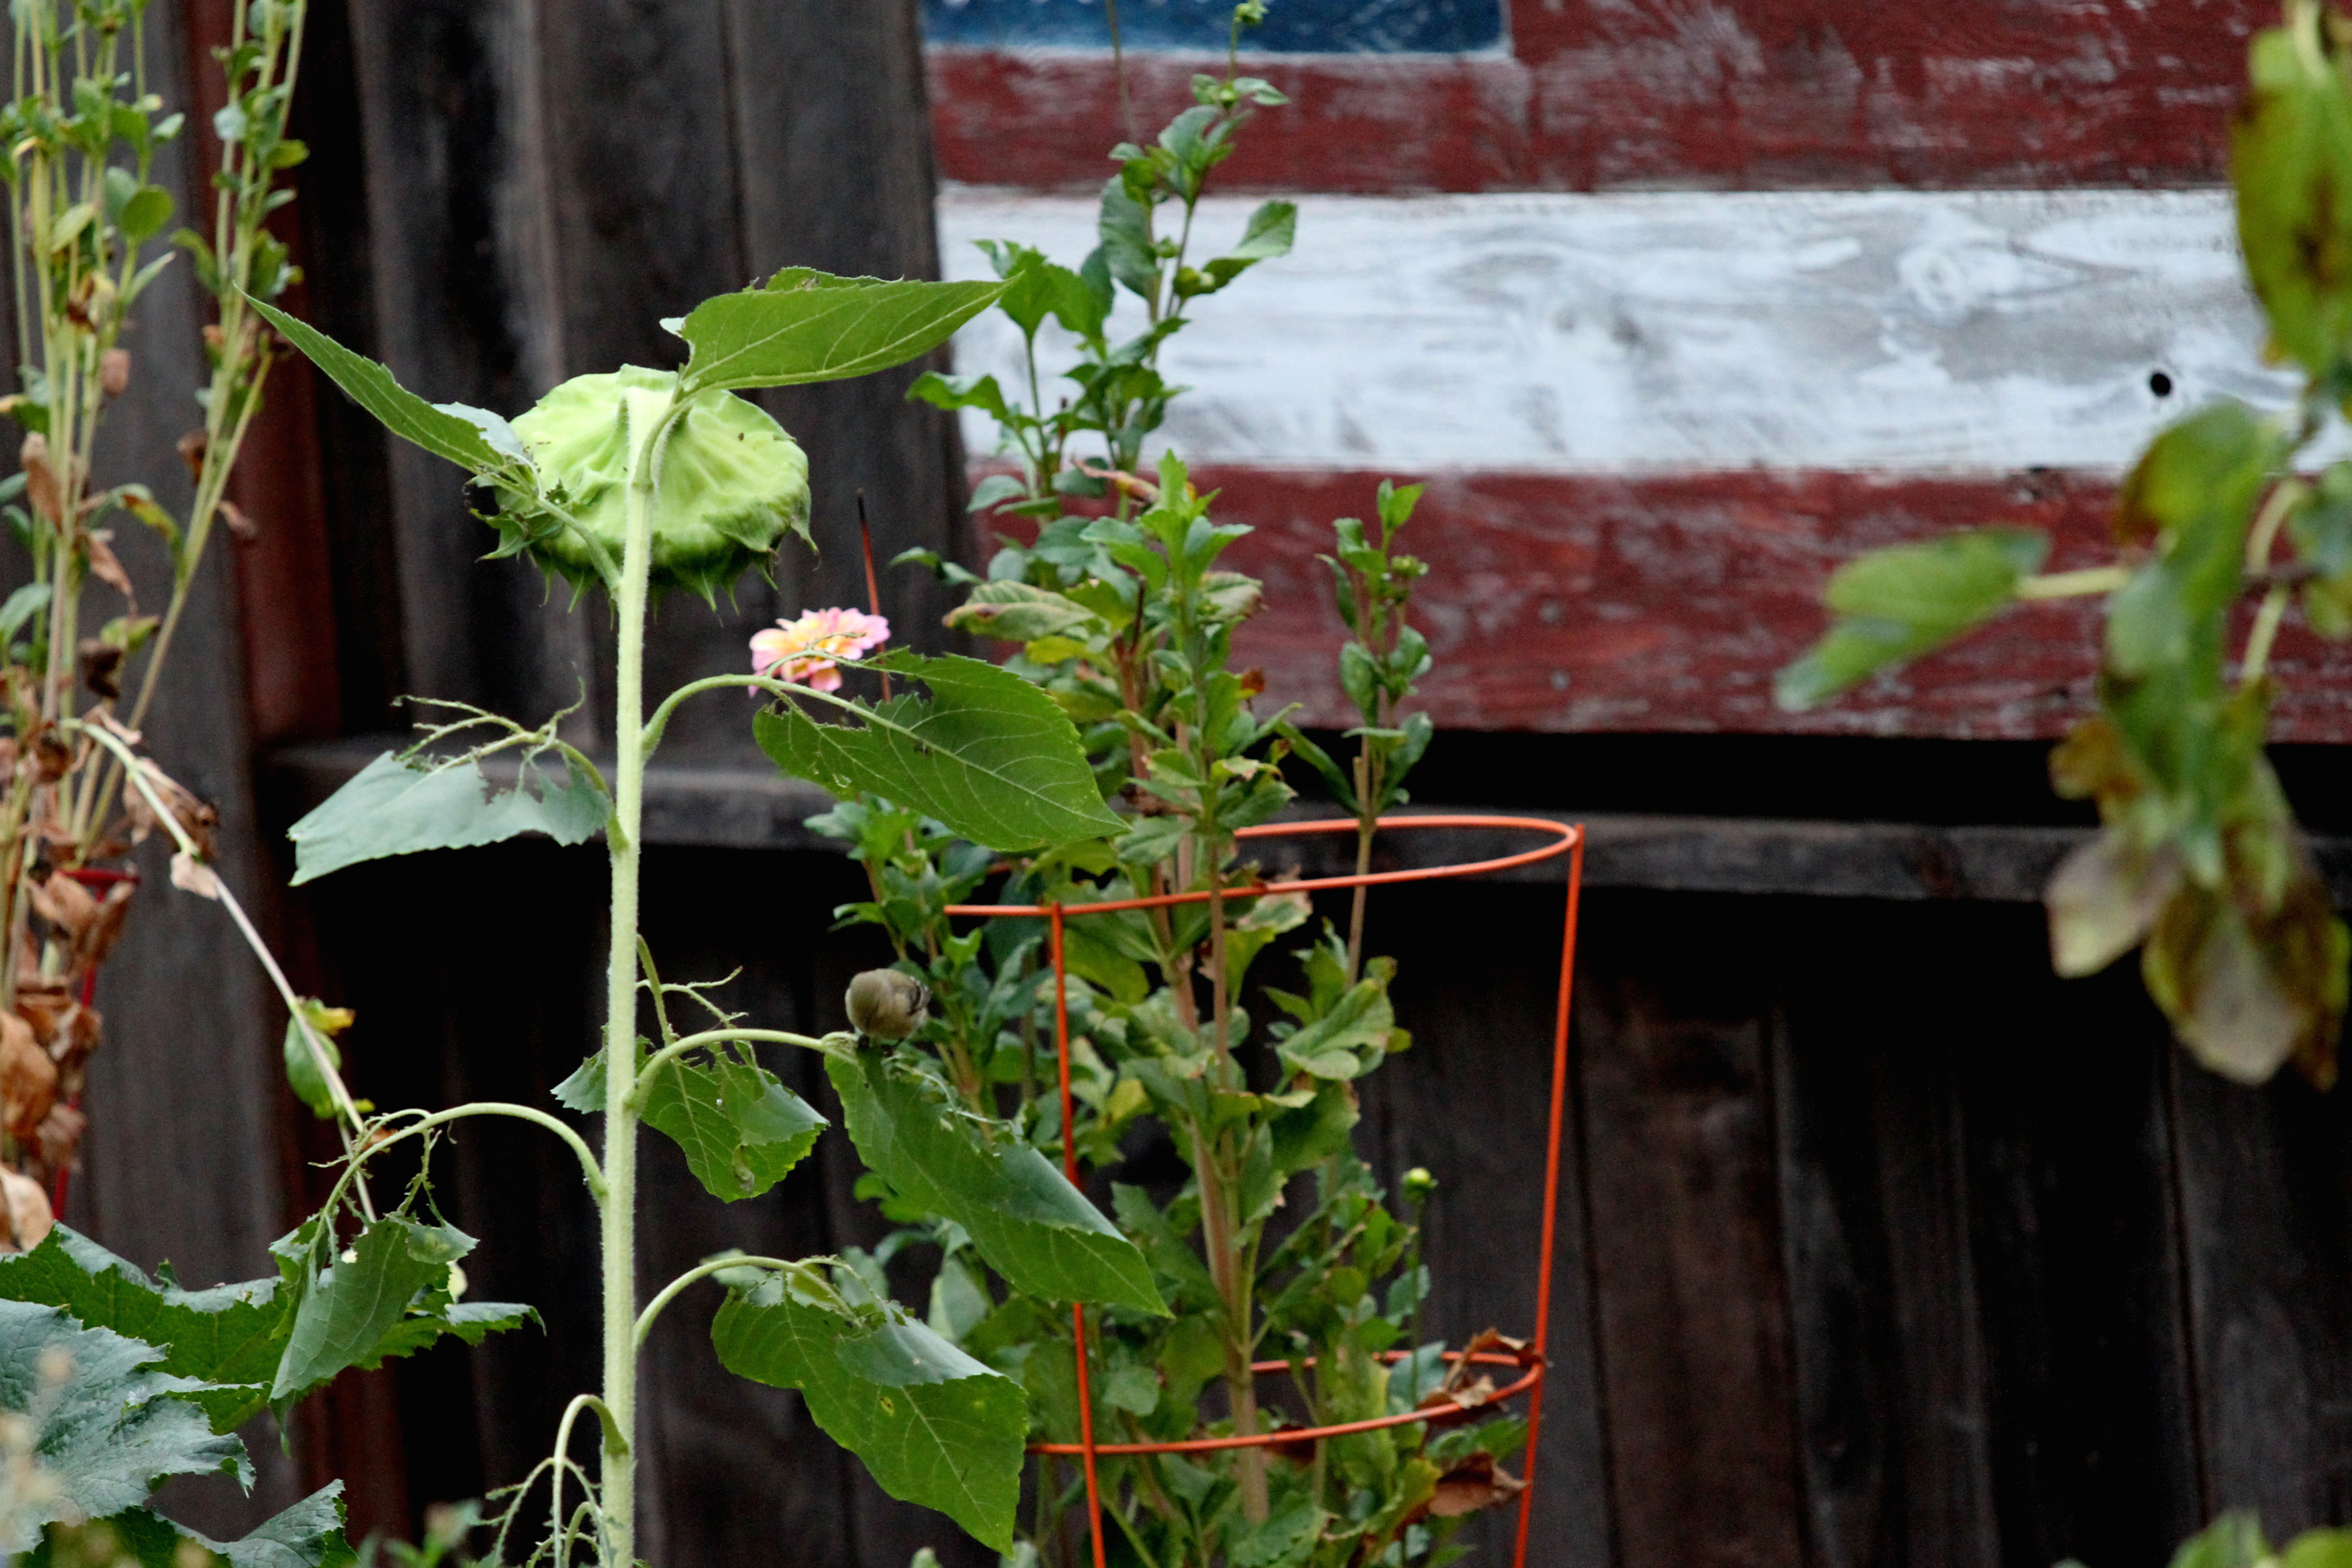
[[741, 1130], [2103, 898], [2245, 997], [933, 1425], [989, 754], [392, 808], [808, 326], [1025, 1219]]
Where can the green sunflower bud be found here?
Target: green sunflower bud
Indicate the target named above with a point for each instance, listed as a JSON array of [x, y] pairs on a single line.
[[732, 482]]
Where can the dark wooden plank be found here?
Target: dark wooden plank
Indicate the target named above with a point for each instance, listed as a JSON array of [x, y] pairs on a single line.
[[1751, 94], [462, 269], [2266, 1198], [1692, 1308], [1478, 986], [1889, 1353], [2075, 1249]]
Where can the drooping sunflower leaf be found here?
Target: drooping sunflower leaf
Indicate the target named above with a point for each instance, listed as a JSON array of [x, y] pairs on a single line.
[[933, 1425], [108, 1424], [387, 1294], [1030, 1223], [741, 1130], [808, 326], [989, 754], [391, 808], [228, 1338], [308, 1535], [477, 441]]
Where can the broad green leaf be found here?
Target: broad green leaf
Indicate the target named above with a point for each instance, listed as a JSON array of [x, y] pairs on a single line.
[[1014, 611], [1347, 1042], [989, 754], [933, 1425], [109, 1424], [1027, 1221], [2320, 1549], [478, 442], [23, 605], [392, 808], [145, 214], [808, 326], [741, 1130], [308, 1535], [2233, 1540], [2292, 164], [229, 1337], [387, 1294], [1898, 603]]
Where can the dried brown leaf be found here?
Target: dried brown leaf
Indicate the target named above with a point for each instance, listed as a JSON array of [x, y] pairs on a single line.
[[104, 564], [114, 371], [191, 447], [60, 1135], [1477, 1482], [101, 663], [41, 484], [244, 527], [66, 904], [29, 1216], [28, 1078]]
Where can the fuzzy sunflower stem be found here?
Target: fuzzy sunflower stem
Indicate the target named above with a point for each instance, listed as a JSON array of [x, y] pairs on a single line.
[[617, 1484]]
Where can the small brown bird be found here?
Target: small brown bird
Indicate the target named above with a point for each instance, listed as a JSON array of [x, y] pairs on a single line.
[[888, 1005]]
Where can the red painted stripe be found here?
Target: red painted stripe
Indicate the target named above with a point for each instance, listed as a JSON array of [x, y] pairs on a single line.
[[1747, 94], [1588, 603]]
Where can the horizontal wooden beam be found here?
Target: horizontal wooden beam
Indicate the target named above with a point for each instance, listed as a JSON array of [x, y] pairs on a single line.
[[751, 806], [1745, 94]]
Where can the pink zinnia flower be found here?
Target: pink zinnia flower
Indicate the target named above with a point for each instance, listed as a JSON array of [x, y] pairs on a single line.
[[804, 651]]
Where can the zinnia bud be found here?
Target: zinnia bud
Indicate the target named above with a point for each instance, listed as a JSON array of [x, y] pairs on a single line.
[[1418, 1184], [887, 1004], [732, 484]]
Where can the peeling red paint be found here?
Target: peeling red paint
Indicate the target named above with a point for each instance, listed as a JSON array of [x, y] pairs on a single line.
[[1601, 94], [1593, 603]]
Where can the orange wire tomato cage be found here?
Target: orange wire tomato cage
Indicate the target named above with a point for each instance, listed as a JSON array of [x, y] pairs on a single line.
[[1564, 839]]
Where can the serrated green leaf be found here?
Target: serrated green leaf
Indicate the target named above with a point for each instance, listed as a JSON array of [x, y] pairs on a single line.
[[108, 1429], [391, 808], [740, 1129], [584, 1090], [229, 1336], [989, 754], [808, 326], [1027, 1221], [479, 442], [933, 1425], [308, 1535]]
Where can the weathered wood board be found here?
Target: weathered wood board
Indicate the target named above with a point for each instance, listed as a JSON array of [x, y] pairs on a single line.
[[1915, 331]]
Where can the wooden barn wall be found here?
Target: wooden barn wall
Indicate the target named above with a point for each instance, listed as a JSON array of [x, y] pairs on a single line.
[[1884, 1248]]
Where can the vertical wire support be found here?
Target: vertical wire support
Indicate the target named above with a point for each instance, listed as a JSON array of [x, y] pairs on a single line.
[[1551, 1191], [1070, 1169]]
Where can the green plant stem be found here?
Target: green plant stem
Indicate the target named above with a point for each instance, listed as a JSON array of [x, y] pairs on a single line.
[[617, 1489], [703, 1270], [2265, 633], [677, 1048], [2073, 585]]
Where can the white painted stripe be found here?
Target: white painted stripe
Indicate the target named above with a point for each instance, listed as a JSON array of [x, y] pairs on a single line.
[[1896, 330]]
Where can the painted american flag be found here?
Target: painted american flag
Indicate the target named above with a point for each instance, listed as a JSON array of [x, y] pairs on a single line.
[[1677, 304]]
